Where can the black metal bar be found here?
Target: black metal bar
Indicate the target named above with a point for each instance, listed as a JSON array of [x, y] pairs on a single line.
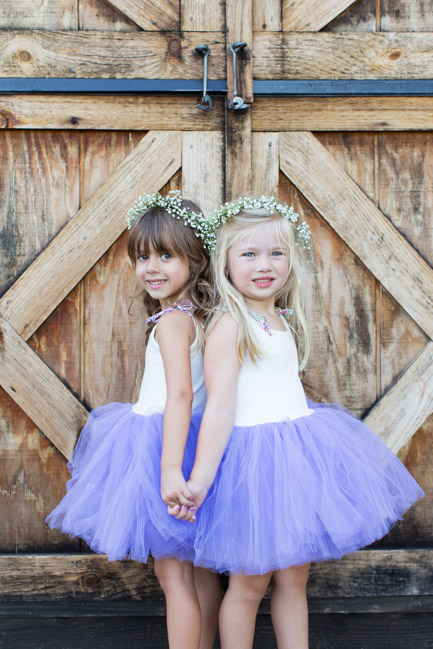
[[106, 86], [345, 87], [300, 88]]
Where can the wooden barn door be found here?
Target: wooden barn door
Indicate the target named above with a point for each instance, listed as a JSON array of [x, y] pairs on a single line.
[[358, 169]]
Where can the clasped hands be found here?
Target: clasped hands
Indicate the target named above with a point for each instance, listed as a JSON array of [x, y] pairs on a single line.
[[182, 498]]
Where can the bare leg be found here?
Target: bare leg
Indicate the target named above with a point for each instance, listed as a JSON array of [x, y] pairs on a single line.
[[239, 610], [183, 610], [289, 608], [208, 589]]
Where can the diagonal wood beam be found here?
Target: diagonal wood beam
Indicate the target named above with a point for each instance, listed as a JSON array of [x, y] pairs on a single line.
[[38, 391], [364, 228], [80, 244], [405, 407], [310, 16], [155, 15]]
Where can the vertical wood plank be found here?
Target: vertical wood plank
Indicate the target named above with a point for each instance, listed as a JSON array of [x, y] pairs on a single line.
[[359, 17], [113, 339], [202, 169], [238, 125], [406, 16], [49, 14], [202, 16], [101, 16], [265, 165], [267, 15]]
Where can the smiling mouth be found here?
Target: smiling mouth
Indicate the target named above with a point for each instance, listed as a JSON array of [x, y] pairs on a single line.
[[154, 283], [263, 280]]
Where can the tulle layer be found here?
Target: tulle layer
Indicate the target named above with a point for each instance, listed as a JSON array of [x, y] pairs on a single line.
[[291, 492], [113, 500]]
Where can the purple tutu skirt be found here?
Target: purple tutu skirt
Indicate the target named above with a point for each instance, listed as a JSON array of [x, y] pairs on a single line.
[[113, 500], [295, 491]]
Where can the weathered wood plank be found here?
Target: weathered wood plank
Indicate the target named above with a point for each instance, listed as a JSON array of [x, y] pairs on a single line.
[[28, 14], [37, 390], [326, 55], [341, 295], [113, 328], [404, 16], [96, 226], [408, 403], [151, 15], [203, 16], [359, 17], [265, 165], [267, 15], [109, 113], [311, 16], [360, 224], [81, 577], [99, 15], [238, 124], [342, 114], [202, 169], [115, 55]]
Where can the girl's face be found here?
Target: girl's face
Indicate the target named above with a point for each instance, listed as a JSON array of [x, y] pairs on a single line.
[[162, 275], [258, 266]]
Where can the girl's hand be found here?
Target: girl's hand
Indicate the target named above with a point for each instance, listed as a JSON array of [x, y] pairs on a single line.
[[198, 493], [174, 490]]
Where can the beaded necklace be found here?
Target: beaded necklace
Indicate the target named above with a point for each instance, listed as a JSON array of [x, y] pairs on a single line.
[[263, 322], [186, 306]]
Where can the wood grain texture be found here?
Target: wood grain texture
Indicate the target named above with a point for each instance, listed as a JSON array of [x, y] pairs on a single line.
[[203, 16], [374, 240], [265, 165], [96, 226], [405, 16], [239, 29], [326, 55], [48, 14], [267, 15], [150, 15], [407, 404], [39, 194], [99, 15], [299, 16], [114, 55], [238, 154], [33, 474], [113, 328], [109, 113], [81, 577], [37, 390], [340, 295], [342, 114], [202, 169], [359, 17]]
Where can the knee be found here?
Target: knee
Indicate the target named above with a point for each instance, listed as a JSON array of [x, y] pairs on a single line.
[[172, 574], [293, 578], [251, 591]]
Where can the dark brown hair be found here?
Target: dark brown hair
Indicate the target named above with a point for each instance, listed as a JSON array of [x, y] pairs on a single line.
[[157, 228]]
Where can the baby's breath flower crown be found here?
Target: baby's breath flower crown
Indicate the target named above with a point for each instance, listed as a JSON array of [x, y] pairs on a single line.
[[172, 203], [270, 204]]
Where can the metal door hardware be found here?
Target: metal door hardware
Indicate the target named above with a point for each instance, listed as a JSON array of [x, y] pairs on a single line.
[[206, 101], [237, 103]]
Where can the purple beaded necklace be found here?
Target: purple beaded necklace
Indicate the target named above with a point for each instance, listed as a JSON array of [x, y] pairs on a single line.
[[263, 322], [186, 306]]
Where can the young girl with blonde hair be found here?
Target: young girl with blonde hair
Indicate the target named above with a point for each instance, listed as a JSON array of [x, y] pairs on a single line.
[[130, 460], [281, 481]]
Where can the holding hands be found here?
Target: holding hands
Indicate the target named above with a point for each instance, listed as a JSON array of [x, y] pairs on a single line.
[[197, 493], [176, 494]]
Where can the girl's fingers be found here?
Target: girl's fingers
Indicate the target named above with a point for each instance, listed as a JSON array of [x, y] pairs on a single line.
[[186, 501]]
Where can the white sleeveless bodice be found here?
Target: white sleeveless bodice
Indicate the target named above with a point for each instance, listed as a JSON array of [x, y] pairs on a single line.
[[271, 390], [153, 391]]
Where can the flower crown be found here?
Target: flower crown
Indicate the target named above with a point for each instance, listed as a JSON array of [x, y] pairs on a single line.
[[172, 203], [225, 213]]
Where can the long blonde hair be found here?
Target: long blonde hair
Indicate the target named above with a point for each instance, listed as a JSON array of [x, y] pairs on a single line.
[[291, 295]]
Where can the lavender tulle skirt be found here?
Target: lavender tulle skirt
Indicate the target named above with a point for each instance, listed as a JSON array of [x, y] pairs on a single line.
[[113, 500], [291, 492]]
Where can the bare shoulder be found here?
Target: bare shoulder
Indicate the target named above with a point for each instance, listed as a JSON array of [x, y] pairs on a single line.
[[175, 324], [226, 329]]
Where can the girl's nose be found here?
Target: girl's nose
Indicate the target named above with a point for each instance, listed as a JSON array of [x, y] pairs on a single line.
[[152, 264], [264, 263]]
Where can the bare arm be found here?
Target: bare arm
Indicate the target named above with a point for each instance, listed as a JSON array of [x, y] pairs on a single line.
[[221, 375], [175, 334]]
